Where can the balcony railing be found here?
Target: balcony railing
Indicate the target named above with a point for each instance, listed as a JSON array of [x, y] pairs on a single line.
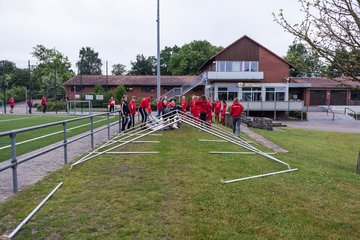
[[235, 75]]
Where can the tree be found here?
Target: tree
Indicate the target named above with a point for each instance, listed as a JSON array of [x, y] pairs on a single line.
[[52, 65], [329, 25], [165, 56], [98, 89], [118, 69], [89, 62], [120, 91], [305, 61], [143, 65], [190, 57]]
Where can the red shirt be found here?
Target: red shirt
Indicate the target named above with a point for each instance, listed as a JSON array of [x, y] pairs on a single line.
[[236, 109], [201, 105], [192, 105], [132, 107], [217, 107], [112, 102], [160, 105], [12, 102], [183, 105], [224, 108], [145, 103], [43, 101]]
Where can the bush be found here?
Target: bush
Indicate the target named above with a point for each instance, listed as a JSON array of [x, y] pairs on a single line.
[[18, 93], [297, 114], [52, 106]]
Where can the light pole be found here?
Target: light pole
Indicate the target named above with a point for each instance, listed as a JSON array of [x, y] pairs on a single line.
[[158, 51]]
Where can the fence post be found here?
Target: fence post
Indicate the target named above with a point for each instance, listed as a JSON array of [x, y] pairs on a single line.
[[120, 127], [108, 124], [92, 131], [65, 142], [14, 162]]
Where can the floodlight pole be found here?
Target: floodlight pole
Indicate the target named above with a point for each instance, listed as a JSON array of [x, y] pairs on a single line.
[[158, 51]]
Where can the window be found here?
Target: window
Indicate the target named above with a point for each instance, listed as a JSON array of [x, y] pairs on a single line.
[[246, 66], [229, 66], [355, 95], [254, 67], [221, 66], [275, 94], [148, 89], [77, 88], [129, 89], [235, 66], [251, 94], [228, 94]]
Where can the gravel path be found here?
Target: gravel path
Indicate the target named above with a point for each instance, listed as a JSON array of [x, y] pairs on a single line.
[[37, 168]]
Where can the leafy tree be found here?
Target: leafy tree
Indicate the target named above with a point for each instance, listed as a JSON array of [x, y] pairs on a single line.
[[51, 63], [120, 91], [165, 56], [190, 57], [329, 25], [143, 65], [118, 69], [305, 61], [89, 62], [98, 89]]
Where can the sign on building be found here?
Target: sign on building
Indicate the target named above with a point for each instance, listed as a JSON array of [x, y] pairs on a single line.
[[89, 97], [99, 97]]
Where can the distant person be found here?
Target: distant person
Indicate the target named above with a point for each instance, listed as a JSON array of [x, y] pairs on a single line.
[[223, 111], [236, 110], [160, 108], [112, 104], [201, 106], [132, 110], [217, 110], [12, 104], [209, 108], [43, 104], [124, 112], [145, 104], [183, 104], [30, 104]]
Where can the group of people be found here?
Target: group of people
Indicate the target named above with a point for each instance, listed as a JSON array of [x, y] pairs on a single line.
[[29, 103], [200, 108]]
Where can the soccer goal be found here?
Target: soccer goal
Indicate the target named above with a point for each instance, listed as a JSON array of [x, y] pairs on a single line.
[[2, 107], [79, 107]]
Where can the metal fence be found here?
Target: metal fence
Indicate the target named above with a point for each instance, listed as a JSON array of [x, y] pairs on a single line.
[[12, 134]]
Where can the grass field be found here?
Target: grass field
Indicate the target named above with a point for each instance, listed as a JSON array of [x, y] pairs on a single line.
[[54, 133], [178, 195]]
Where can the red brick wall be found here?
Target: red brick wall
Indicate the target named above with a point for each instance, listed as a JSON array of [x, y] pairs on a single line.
[[275, 70]]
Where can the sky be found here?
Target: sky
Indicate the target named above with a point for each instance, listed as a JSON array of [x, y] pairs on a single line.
[[120, 29]]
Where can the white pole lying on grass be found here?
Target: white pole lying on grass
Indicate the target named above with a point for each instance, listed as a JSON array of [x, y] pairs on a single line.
[[259, 176], [132, 152], [239, 153], [17, 229]]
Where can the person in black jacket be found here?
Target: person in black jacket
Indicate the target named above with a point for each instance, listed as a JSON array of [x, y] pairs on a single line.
[[124, 112]]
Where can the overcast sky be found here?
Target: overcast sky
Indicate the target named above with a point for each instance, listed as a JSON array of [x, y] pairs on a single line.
[[120, 29]]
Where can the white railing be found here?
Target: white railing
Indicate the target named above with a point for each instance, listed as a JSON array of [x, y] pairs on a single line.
[[236, 75], [178, 91]]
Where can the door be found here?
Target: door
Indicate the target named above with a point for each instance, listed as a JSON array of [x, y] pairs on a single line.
[[317, 97], [338, 97]]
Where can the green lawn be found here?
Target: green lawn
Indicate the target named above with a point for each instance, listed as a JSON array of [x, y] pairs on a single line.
[[11, 122], [178, 194]]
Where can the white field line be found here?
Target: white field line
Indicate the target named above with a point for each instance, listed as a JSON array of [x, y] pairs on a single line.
[[8, 120], [50, 134]]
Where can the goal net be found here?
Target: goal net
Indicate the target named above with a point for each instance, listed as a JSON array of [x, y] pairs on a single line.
[[79, 107]]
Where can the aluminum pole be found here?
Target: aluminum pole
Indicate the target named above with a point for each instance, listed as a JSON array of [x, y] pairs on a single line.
[[158, 51]]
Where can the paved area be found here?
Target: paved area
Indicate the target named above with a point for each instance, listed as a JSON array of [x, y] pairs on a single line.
[[261, 140], [326, 125]]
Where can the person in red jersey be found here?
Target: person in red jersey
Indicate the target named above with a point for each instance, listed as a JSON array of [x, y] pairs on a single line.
[[201, 106], [44, 104], [12, 104], [223, 111], [143, 109], [192, 105], [112, 104], [183, 104], [217, 110], [236, 110], [209, 111], [160, 108], [132, 110]]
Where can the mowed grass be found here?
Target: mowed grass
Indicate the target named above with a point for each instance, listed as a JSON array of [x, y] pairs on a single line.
[[177, 194], [12, 122]]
